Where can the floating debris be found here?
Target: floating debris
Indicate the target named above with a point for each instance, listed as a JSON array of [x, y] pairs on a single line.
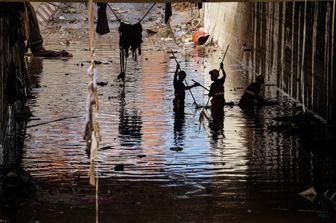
[[102, 83], [119, 167], [106, 147], [176, 149], [310, 194]]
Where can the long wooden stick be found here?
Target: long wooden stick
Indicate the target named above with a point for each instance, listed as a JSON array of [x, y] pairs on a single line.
[[191, 93], [56, 120], [225, 52], [174, 57], [200, 85]]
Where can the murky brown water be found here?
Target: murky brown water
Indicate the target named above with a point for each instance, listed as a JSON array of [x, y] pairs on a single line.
[[244, 174]]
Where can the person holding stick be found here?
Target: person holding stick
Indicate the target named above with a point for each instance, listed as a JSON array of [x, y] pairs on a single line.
[[217, 89], [217, 102], [180, 88]]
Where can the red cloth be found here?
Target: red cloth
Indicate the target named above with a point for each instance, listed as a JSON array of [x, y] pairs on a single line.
[[199, 37]]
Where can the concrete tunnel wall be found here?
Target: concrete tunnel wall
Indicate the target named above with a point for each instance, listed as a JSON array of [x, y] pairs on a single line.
[[292, 44]]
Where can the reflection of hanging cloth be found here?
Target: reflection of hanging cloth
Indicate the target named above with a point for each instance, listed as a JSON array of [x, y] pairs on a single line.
[[130, 38], [102, 23], [168, 12]]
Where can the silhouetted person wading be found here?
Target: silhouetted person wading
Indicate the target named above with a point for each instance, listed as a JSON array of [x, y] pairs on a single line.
[[217, 89], [180, 88]]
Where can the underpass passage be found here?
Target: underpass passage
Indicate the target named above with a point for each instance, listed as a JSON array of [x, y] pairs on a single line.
[[155, 166]]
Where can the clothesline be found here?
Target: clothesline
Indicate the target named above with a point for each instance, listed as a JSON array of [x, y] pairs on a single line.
[[119, 20]]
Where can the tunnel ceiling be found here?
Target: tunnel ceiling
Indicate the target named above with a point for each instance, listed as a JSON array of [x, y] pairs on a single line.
[[161, 1]]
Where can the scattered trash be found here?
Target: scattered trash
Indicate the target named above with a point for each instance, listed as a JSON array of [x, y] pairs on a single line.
[[69, 10], [106, 147], [182, 197], [151, 32], [141, 156], [121, 76], [101, 83], [310, 194]]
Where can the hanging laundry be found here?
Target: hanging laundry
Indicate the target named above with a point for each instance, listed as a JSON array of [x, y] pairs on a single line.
[[168, 12], [102, 23], [130, 38]]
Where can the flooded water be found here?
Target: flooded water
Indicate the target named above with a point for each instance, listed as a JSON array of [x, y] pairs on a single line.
[[175, 168]]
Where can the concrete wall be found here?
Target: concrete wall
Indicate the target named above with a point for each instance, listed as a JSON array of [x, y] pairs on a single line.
[[292, 44]]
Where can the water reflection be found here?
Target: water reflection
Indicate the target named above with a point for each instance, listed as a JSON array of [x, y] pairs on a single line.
[[179, 123], [216, 123], [129, 123], [36, 65], [245, 167]]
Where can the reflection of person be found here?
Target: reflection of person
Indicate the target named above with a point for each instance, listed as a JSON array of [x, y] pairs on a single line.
[[216, 125], [35, 42], [130, 123], [179, 123], [251, 94], [180, 88]]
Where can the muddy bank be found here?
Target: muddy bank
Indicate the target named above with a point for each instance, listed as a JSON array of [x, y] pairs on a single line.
[[150, 202]]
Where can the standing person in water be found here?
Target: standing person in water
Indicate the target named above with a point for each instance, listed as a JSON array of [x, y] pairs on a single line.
[[217, 89], [218, 101], [180, 88], [251, 95]]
